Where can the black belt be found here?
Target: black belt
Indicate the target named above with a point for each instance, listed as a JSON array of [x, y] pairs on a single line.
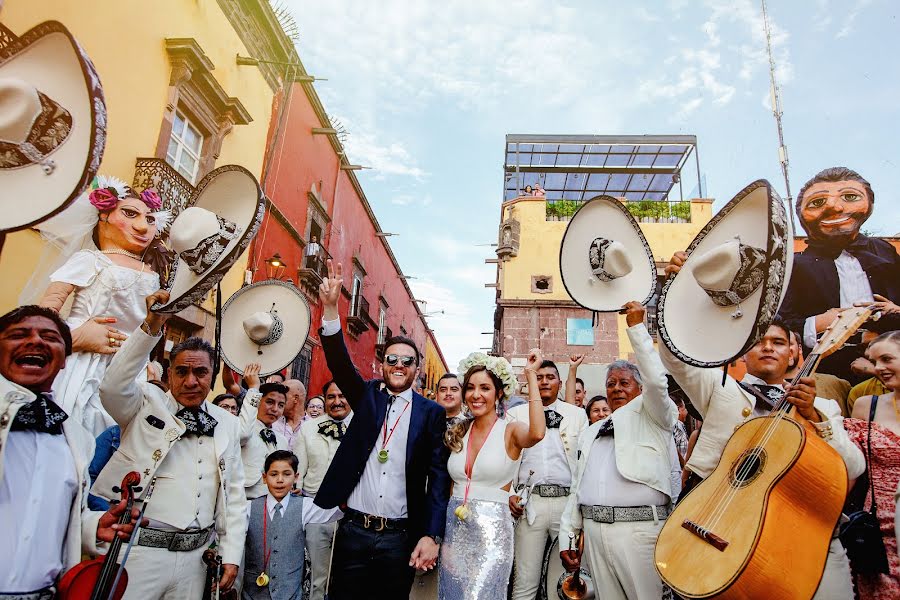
[[374, 522], [44, 594], [175, 541]]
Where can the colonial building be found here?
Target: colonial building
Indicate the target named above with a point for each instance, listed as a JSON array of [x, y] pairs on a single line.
[[180, 99], [546, 179]]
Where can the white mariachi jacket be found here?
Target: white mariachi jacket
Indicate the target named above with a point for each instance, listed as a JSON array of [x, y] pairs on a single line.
[[726, 407], [146, 415], [643, 433], [254, 449], [81, 533], [574, 421], [315, 452]]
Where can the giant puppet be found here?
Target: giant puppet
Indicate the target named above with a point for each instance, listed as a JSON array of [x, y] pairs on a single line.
[[840, 266]]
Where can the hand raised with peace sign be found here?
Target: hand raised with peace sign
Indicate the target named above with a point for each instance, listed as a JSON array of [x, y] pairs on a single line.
[[330, 291]]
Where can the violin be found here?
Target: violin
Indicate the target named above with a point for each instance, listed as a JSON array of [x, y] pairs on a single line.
[[94, 579], [211, 591]]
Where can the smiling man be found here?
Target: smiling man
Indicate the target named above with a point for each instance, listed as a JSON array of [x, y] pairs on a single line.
[[840, 266], [263, 406], [315, 447], [449, 395]]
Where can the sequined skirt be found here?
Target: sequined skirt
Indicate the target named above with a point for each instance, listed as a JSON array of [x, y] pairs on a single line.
[[477, 554]]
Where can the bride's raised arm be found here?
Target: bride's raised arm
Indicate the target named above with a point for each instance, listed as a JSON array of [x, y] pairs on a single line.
[[527, 436]]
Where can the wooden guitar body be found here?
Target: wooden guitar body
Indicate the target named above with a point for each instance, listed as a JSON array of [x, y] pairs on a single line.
[[761, 524]]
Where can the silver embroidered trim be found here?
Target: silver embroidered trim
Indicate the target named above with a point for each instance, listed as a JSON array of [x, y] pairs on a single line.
[[546, 490], [613, 514], [174, 541]]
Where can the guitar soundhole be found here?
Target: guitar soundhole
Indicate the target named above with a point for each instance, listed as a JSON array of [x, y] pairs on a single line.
[[748, 467]]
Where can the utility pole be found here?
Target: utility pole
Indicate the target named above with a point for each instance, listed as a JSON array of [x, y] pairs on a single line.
[[776, 106]]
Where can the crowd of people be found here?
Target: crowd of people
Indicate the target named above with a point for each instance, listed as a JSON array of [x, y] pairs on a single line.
[[359, 488]]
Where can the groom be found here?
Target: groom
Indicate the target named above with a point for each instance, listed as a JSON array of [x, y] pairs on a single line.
[[390, 469]]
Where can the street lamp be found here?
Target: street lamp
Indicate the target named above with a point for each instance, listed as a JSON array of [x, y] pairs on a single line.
[[275, 266]]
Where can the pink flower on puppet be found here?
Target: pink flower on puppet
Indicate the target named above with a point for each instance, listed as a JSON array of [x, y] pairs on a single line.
[[103, 199], [151, 199]]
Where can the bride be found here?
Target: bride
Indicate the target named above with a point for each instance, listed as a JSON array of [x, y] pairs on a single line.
[[477, 553]]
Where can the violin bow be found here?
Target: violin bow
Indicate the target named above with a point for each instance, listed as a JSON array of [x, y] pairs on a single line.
[[132, 539]]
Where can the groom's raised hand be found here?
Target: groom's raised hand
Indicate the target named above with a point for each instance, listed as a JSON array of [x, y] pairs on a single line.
[[330, 291]]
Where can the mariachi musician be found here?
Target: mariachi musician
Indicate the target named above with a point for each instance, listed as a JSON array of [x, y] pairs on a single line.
[[44, 460]]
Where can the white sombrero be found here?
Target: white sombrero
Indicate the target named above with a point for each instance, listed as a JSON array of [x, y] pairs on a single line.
[[266, 323], [729, 289], [52, 124], [605, 260], [212, 233]]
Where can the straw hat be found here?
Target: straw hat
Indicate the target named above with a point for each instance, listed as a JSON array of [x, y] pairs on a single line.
[[211, 234], [729, 289], [266, 323], [52, 124], [605, 260]]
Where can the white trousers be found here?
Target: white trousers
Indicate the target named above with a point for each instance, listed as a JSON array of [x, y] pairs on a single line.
[[620, 558], [319, 538], [157, 574], [531, 541], [837, 583]]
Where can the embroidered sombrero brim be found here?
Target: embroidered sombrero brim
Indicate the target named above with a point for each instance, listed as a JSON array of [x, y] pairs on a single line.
[[607, 218], [233, 193], [288, 302], [704, 334], [50, 59]]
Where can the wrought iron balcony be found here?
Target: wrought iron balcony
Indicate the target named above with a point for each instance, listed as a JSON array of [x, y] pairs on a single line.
[[313, 270], [359, 320], [383, 335], [172, 187]]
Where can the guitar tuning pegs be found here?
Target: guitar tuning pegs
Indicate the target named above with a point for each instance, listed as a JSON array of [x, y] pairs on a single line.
[[116, 489]]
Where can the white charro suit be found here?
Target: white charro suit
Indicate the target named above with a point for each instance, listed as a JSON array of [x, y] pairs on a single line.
[[315, 451], [542, 515], [152, 444], [81, 532], [254, 449], [621, 553], [724, 408]]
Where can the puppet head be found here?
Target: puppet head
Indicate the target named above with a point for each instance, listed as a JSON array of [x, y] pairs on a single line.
[[833, 205]]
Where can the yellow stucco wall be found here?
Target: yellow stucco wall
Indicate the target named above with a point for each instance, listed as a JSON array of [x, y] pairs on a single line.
[[433, 367], [126, 42]]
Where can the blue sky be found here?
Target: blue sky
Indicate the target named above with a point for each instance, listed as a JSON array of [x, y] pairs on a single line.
[[428, 90]]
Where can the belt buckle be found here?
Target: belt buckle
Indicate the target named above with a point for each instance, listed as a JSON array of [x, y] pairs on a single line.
[[174, 542]]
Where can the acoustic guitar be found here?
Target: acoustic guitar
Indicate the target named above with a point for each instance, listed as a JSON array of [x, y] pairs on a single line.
[[760, 525]]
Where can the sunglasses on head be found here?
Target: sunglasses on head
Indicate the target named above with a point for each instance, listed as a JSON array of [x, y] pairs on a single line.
[[393, 359]]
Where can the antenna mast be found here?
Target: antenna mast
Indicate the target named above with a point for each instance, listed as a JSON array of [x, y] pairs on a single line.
[[776, 105]]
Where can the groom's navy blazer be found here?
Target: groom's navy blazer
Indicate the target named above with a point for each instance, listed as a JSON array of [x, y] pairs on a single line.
[[427, 480]]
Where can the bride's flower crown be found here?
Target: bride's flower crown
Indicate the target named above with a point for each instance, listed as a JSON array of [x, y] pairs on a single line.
[[109, 191], [497, 365]]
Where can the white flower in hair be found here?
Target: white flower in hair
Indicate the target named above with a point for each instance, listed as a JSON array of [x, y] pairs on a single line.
[[108, 181], [163, 218], [497, 365]]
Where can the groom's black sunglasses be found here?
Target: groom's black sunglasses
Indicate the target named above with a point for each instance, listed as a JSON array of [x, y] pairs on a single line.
[[393, 359]]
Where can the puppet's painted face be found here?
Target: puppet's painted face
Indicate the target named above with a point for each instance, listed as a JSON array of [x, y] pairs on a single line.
[[834, 210], [130, 226]]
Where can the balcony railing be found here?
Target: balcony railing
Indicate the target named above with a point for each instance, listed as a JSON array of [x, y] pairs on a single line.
[[172, 187], [314, 269], [644, 211], [358, 320]]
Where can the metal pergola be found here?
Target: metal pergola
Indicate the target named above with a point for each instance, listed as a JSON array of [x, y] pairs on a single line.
[[580, 167]]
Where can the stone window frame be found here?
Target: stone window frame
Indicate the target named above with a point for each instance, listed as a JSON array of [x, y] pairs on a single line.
[[194, 91]]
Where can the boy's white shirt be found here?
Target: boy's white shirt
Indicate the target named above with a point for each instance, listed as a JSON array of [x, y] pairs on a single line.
[[311, 512]]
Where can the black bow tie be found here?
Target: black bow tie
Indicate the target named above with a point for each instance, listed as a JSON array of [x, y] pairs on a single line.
[[606, 428], [769, 394], [42, 415], [553, 419], [333, 429], [268, 436], [196, 421]]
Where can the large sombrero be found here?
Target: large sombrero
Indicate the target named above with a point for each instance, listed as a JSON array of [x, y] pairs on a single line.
[[605, 260], [729, 290], [266, 323], [52, 124], [211, 234]]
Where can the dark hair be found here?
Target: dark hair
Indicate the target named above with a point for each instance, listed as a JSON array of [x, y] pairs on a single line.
[[279, 374], [549, 364], [286, 456], [580, 380], [887, 336], [268, 388], [156, 256], [454, 435], [17, 315], [326, 386], [221, 397], [448, 376], [402, 339], [193, 344], [590, 403], [831, 175], [782, 325]]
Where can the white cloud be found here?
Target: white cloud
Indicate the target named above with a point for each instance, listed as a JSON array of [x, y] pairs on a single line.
[[850, 19], [385, 156]]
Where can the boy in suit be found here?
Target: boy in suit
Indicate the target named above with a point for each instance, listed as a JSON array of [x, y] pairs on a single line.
[[273, 564]]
